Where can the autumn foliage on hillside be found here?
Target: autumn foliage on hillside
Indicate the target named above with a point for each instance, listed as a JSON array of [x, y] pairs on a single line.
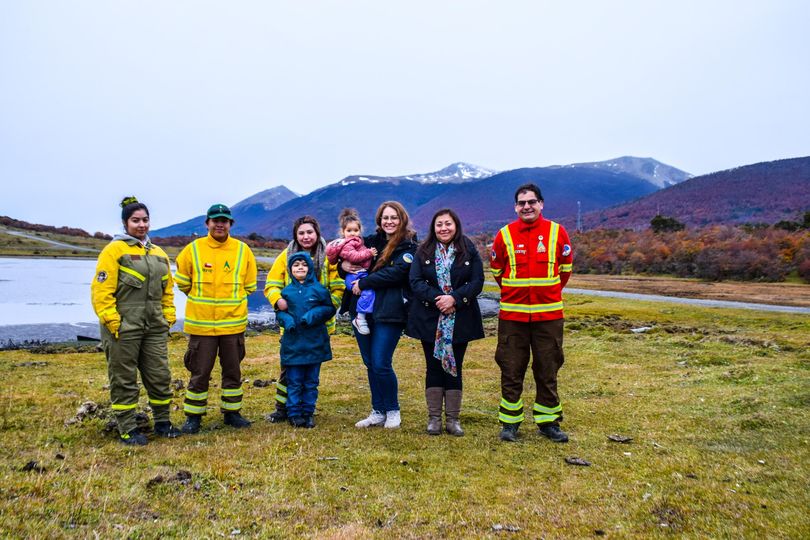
[[716, 253]]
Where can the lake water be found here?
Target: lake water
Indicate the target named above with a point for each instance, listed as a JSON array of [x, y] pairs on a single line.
[[49, 299]]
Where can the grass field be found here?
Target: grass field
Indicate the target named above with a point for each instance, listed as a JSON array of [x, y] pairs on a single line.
[[715, 400]]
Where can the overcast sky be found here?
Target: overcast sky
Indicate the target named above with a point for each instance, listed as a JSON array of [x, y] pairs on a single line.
[[187, 103]]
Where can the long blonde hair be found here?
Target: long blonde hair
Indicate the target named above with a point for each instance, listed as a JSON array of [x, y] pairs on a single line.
[[404, 232]]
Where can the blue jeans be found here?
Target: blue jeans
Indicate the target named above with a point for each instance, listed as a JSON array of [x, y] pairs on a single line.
[[377, 350], [302, 389]]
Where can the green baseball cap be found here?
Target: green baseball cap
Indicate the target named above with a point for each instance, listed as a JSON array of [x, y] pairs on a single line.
[[219, 210]]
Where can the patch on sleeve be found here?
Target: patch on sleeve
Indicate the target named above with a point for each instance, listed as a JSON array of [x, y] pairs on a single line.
[[493, 255], [566, 250], [101, 277], [408, 258]]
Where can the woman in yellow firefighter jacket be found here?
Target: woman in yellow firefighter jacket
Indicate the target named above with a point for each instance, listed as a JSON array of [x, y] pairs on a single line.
[[132, 296], [306, 237]]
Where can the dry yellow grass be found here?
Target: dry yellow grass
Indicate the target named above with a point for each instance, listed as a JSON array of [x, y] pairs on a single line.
[[715, 400]]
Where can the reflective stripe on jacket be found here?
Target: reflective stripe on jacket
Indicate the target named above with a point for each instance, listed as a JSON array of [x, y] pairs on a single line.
[[217, 277], [133, 286], [278, 278], [532, 263]]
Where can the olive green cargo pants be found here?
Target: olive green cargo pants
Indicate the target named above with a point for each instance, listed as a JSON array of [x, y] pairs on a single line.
[[148, 353]]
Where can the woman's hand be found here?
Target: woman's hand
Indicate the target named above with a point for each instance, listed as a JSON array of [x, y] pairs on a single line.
[[356, 288], [350, 268], [446, 304], [281, 305]]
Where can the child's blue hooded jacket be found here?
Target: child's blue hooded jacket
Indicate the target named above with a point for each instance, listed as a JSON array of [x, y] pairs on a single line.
[[309, 306]]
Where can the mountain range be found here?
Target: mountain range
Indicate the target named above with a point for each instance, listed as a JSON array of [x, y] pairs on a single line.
[[482, 197], [759, 193]]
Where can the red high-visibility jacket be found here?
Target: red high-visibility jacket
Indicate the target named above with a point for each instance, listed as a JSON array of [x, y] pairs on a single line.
[[532, 263]]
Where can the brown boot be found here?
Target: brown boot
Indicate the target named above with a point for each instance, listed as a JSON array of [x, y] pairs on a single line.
[[452, 406], [433, 396]]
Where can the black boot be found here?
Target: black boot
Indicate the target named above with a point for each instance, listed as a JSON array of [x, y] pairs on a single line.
[[509, 432], [278, 416], [166, 429], [552, 432], [192, 424], [135, 438], [234, 419], [310, 422]]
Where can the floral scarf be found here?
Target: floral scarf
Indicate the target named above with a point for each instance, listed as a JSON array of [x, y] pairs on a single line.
[[443, 348]]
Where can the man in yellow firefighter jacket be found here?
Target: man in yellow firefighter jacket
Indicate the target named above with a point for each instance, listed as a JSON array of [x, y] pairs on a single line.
[[531, 260], [217, 273]]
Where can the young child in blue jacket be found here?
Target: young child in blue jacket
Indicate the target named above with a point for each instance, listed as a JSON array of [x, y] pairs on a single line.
[[305, 341]]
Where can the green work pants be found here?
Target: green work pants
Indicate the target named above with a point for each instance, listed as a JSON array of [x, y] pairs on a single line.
[[147, 352]]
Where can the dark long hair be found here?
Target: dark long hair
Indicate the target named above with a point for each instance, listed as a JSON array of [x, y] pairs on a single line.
[[301, 221], [130, 205], [427, 248], [404, 232]]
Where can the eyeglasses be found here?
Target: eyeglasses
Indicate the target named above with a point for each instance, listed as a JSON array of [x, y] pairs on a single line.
[[530, 202]]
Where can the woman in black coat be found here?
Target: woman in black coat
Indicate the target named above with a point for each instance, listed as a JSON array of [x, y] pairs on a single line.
[[446, 277]]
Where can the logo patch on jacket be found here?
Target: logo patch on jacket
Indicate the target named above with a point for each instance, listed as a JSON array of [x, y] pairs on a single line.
[[408, 258], [566, 250], [101, 277]]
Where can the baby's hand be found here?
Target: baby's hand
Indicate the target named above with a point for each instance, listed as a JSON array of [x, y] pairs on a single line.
[[374, 251]]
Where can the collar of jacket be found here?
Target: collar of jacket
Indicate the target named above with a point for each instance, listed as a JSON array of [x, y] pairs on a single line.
[[132, 241], [214, 243], [523, 226]]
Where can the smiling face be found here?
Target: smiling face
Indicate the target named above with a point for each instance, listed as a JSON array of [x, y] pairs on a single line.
[[219, 228], [390, 220], [299, 269], [528, 206], [445, 228], [306, 235], [138, 224], [351, 229]]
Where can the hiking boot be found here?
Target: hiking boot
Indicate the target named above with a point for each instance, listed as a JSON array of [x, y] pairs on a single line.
[[166, 429], [310, 422], [234, 419], [298, 421], [392, 420], [277, 417], [552, 432], [192, 424], [361, 326], [134, 438], [376, 418], [509, 432]]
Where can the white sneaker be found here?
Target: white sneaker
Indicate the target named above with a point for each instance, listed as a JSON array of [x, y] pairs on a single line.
[[361, 325], [392, 420], [376, 418]]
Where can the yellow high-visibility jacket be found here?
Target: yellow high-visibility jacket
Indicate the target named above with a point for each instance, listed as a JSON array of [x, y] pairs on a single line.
[[277, 279], [217, 277], [132, 289]]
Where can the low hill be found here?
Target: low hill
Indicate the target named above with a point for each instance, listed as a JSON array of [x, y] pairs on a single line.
[[759, 193]]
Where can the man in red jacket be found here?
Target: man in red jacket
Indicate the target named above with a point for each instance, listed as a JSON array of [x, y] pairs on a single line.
[[531, 261]]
